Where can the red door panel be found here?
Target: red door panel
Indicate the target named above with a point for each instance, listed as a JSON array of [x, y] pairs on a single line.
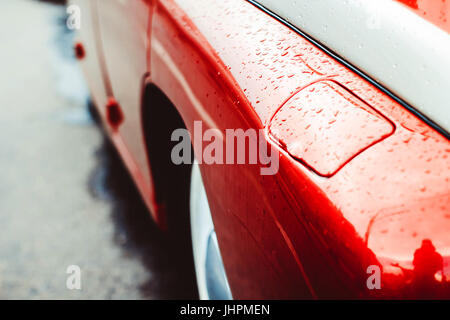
[[125, 44]]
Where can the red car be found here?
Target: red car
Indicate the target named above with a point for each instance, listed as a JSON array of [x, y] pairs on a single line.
[[320, 131]]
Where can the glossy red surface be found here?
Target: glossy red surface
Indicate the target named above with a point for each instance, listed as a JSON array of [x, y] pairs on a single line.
[[325, 126], [295, 234], [435, 11]]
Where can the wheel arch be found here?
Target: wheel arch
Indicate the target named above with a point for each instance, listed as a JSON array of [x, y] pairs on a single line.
[[160, 117]]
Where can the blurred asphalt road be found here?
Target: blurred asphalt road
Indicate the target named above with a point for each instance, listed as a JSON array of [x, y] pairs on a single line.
[[65, 198]]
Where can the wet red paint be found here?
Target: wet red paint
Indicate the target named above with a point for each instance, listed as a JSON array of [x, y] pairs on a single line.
[[296, 234], [325, 126], [309, 234], [435, 11]]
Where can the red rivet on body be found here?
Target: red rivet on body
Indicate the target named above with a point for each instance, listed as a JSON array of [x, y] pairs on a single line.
[[80, 52], [114, 113]]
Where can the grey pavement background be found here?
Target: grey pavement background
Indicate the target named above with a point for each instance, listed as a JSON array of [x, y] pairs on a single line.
[[65, 198]]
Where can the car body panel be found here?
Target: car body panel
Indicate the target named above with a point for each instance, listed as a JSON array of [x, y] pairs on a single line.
[[88, 37], [122, 38], [380, 38], [336, 127], [295, 234], [105, 79], [437, 12]]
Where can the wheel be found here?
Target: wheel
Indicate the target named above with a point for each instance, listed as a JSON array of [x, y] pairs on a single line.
[[212, 281]]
